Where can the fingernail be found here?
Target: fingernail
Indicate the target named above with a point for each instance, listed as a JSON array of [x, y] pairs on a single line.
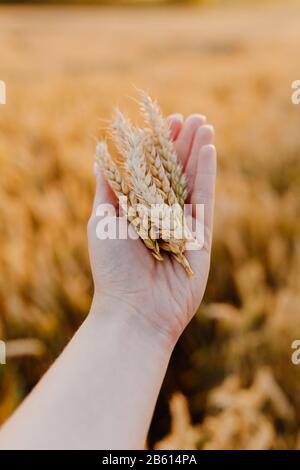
[[198, 116], [208, 149], [177, 116], [207, 127]]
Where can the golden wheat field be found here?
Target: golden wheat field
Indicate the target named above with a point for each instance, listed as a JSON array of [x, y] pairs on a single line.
[[231, 383]]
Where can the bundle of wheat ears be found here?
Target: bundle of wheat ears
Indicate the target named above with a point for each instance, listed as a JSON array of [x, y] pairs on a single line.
[[149, 181]]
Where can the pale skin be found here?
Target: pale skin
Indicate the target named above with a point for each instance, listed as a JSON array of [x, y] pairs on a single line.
[[101, 392]]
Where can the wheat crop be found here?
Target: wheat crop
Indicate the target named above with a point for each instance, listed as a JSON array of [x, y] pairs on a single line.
[[146, 172]]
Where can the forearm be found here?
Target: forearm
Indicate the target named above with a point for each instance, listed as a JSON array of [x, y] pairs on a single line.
[[100, 393]]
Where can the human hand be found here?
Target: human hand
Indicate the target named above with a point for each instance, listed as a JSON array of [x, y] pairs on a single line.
[[158, 294]]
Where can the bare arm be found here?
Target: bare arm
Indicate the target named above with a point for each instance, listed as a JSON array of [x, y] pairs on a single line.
[[101, 392]]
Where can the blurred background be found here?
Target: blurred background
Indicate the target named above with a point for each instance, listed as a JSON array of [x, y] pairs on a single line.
[[231, 383]]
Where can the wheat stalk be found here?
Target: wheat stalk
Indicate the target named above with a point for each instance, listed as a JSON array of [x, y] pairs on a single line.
[[146, 171]]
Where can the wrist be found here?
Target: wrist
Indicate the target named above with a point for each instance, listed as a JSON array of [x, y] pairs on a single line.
[[129, 322], [132, 358]]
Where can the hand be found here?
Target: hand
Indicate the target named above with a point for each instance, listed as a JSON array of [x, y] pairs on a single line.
[[159, 294]]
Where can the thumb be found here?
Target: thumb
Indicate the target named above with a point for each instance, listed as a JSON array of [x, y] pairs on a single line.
[[103, 193]]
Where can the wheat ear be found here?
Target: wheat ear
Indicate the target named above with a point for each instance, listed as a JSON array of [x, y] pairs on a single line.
[[112, 174], [141, 172], [121, 188], [160, 133], [159, 174], [147, 171], [129, 142], [121, 130], [150, 182]]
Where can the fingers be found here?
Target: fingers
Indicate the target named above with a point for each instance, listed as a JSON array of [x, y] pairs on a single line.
[[174, 122], [204, 188], [186, 136], [103, 194], [204, 136]]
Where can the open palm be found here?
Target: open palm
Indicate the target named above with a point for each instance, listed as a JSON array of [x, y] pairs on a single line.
[[124, 270]]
